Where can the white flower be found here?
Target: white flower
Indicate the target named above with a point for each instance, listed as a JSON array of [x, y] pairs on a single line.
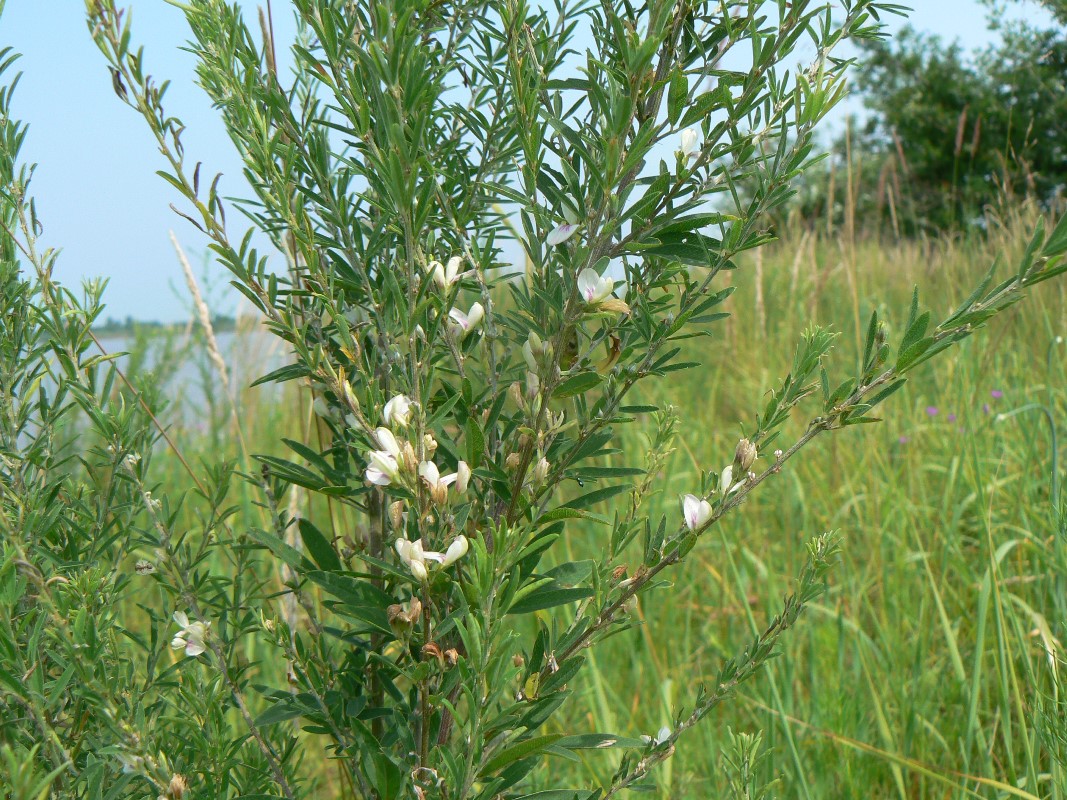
[[532, 350], [192, 636], [455, 551], [397, 411], [533, 385], [593, 288], [462, 324], [131, 764], [382, 465], [541, 470], [561, 233], [437, 483], [663, 735], [567, 229], [463, 476], [414, 557], [696, 511], [726, 481], [690, 143], [445, 276]]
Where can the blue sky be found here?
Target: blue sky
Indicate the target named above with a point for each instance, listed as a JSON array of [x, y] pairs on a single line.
[[96, 189]]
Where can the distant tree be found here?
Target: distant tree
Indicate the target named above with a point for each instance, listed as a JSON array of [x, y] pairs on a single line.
[[948, 136]]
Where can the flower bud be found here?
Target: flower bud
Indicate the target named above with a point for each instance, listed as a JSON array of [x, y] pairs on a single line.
[[397, 412], [517, 660], [512, 461], [531, 351], [408, 458], [745, 454], [455, 551], [402, 619], [177, 787], [439, 494], [515, 393], [431, 650], [614, 305], [540, 471], [463, 477], [430, 444], [396, 515], [533, 385], [350, 396]]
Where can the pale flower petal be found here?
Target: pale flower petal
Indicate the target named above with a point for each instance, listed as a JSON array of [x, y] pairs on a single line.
[[455, 551], [690, 143], [593, 288], [463, 476], [387, 441], [192, 636], [561, 233], [418, 569], [397, 411], [428, 472], [696, 511]]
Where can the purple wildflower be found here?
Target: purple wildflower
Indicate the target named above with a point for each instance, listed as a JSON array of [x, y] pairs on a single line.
[[951, 417], [985, 408], [996, 394], [903, 440], [932, 411]]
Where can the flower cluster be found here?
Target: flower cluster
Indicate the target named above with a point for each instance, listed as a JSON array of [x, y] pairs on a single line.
[[696, 511], [192, 636], [416, 559]]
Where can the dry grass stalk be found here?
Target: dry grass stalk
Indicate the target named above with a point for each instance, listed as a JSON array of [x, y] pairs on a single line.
[[203, 316]]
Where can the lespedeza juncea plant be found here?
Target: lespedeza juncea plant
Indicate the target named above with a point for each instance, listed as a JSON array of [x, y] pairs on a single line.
[[465, 403]]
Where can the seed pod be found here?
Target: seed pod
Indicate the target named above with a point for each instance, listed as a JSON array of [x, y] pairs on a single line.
[[431, 650], [540, 471], [177, 787], [408, 458], [396, 515], [745, 454]]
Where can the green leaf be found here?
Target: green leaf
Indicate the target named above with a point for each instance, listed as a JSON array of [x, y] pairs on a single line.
[[519, 750], [564, 513], [286, 552], [281, 711], [1057, 240], [358, 599], [475, 443], [677, 94], [578, 384], [597, 496], [597, 741], [548, 597], [571, 573], [322, 552], [704, 105]]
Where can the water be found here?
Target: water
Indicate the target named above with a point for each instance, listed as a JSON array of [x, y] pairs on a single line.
[[178, 361]]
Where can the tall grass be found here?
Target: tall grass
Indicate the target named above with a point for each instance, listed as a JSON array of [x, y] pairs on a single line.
[[920, 673], [930, 668]]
